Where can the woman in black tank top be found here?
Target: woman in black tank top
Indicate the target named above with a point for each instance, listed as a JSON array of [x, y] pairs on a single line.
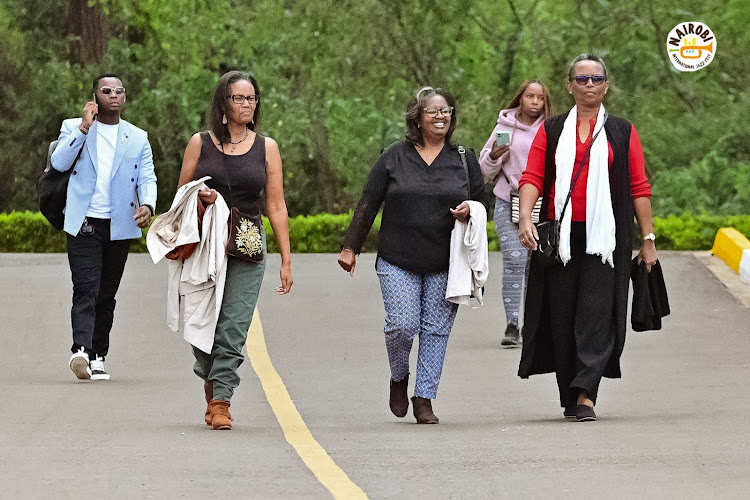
[[242, 165]]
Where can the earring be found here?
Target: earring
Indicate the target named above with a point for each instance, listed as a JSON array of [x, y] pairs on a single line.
[[224, 119]]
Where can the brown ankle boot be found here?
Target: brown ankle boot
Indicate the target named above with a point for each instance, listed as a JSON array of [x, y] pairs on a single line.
[[399, 399], [220, 417], [423, 411], [208, 388]]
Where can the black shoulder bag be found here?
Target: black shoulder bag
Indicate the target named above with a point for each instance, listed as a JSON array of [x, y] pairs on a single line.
[[53, 189], [549, 230]]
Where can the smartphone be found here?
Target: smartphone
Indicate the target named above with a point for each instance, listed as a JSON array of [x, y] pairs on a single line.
[[502, 137]]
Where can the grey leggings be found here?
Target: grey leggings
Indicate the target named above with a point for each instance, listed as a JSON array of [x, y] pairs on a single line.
[[515, 262]]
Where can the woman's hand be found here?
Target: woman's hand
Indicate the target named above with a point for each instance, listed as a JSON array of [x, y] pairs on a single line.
[[286, 279], [527, 233], [462, 212], [648, 253], [207, 195], [498, 151], [348, 260]]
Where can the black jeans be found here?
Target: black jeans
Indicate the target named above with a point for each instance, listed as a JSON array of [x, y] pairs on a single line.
[[96, 266]]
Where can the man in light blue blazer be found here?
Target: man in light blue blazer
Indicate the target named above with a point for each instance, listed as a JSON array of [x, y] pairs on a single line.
[[111, 196]]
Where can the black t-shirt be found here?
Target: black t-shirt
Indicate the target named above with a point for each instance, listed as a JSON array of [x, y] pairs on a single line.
[[415, 229]]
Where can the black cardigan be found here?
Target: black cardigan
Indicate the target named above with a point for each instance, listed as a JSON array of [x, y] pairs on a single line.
[[537, 354]]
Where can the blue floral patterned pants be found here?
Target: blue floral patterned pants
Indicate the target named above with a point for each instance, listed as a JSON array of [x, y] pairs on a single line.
[[415, 305]]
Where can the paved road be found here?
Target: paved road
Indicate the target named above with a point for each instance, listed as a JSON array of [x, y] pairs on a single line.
[[676, 425]]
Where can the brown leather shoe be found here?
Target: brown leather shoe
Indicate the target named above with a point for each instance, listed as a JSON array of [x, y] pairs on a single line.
[[221, 419], [208, 388], [399, 399], [423, 411]]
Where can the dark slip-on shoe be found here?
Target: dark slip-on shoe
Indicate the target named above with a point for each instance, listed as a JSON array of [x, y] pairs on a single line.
[[585, 413]]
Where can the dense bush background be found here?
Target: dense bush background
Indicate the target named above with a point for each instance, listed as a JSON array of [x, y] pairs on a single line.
[[335, 76], [322, 233]]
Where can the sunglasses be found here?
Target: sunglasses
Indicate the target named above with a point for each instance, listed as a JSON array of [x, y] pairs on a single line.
[[108, 90], [584, 79]]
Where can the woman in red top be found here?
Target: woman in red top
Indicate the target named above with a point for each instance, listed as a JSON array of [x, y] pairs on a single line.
[[575, 317]]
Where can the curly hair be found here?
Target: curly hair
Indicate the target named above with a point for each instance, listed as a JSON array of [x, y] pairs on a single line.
[[414, 114]]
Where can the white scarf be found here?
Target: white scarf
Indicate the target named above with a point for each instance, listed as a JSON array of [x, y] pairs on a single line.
[[600, 219]]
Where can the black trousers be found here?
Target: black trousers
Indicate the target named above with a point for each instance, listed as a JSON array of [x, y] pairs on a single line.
[[579, 298], [96, 266]]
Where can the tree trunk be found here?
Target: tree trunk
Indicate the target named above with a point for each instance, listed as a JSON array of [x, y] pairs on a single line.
[[324, 177], [88, 33]]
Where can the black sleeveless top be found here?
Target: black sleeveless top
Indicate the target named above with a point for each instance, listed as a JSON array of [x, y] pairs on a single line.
[[245, 173]]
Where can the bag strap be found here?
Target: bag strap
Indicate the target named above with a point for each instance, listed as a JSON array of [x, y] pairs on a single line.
[[226, 171], [580, 166], [462, 152]]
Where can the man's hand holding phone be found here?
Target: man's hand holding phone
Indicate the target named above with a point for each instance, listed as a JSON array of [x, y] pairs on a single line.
[[90, 110]]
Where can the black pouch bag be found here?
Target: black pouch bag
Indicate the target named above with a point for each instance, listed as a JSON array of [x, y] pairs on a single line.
[[245, 236], [549, 239]]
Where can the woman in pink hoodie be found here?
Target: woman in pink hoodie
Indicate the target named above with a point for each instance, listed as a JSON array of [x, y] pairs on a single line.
[[505, 163]]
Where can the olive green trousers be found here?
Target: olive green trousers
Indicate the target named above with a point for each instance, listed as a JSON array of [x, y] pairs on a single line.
[[241, 292]]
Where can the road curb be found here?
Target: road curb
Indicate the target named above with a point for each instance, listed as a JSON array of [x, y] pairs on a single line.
[[726, 275]]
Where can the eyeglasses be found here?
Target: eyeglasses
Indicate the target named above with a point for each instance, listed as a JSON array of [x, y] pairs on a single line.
[[108, 90], [432, 112], [584, 79], [239, 99]]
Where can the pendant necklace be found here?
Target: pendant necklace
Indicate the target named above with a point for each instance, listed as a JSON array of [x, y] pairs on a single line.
[[234, 144]]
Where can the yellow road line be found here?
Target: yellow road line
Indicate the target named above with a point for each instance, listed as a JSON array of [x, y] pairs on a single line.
[[295, 430]]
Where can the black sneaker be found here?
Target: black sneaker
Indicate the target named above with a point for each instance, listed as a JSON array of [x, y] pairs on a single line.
[[512, 337]]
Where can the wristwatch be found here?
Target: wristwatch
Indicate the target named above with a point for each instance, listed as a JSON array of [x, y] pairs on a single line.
[[650, 236]]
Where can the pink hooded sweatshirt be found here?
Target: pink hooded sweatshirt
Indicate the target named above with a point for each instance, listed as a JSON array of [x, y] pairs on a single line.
[[512, 164]]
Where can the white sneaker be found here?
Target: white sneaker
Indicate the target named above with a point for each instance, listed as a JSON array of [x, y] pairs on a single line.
[[79, 363], [97, 369]]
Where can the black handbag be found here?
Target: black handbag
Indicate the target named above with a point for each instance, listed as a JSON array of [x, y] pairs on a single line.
[[53, 190], [549, 230], [549, 240]]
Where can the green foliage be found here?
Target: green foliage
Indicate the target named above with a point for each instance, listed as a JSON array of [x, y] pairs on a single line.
[[29, 232], [335, 77], [712, 185], [688, 232]]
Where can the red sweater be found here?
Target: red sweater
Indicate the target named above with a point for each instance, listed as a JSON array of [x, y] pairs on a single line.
[[534, 173]]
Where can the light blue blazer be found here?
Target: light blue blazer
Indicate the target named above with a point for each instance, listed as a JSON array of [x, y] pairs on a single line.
[[133, 179]]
